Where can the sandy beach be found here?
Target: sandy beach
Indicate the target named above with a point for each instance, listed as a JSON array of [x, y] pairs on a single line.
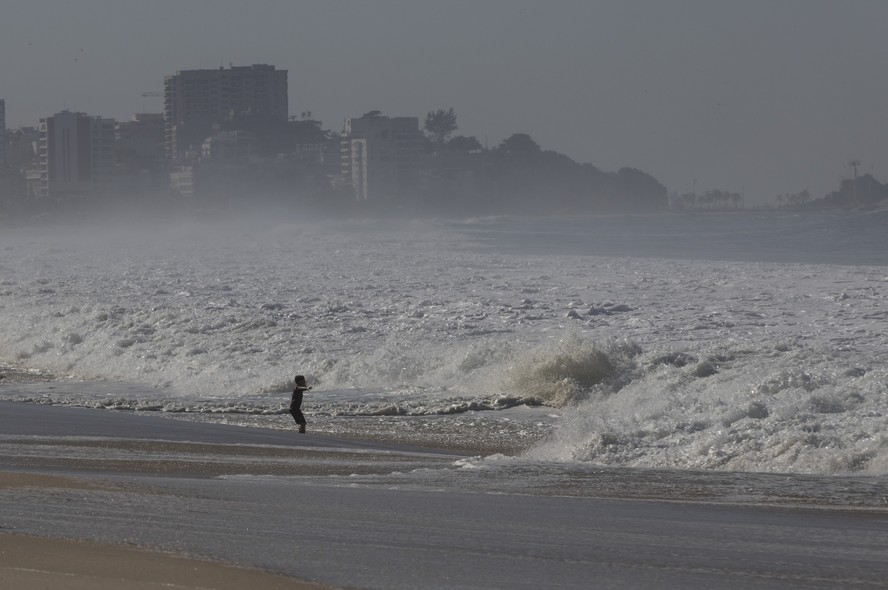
[[31, 563], [102, 499]]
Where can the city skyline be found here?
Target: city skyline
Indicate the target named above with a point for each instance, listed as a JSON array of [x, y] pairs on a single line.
[[764, 98]]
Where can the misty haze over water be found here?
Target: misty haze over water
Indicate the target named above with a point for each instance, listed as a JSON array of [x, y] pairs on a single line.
[[812, 237]]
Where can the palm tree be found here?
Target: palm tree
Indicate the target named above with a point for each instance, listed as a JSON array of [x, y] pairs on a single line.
[[440, 124]]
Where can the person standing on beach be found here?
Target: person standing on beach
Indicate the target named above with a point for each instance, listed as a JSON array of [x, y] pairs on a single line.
[[296, 402]]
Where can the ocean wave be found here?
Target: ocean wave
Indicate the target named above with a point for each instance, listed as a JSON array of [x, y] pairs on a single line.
[[760, 412], [648, 362]]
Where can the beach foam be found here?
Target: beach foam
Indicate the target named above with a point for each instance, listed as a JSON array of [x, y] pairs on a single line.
[[649, 361]]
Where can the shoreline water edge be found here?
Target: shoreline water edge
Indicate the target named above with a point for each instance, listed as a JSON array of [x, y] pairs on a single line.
[[380, 515]]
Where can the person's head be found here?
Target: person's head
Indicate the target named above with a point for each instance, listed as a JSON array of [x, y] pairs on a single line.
[[300, 380]]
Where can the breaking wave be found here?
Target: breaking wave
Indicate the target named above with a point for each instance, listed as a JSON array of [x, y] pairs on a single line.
[[799, 410], [637, 361]]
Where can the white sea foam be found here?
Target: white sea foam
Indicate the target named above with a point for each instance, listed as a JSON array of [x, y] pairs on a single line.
[[746, 365]]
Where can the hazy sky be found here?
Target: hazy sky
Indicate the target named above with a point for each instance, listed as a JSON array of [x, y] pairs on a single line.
[[765, 96]]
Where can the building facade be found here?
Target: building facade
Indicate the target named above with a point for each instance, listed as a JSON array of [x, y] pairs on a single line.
[[380, 156], [194, 100], [141, 139], [139, 154], [76, 154]]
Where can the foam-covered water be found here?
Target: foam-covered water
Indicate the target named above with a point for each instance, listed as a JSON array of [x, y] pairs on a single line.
[[632, 339]]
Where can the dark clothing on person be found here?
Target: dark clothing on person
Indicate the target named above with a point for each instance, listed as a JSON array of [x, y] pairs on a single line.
[[296, 406], [296, 402]]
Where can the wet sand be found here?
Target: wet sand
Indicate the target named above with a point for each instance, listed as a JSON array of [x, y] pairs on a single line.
[[39, 563], [39, 455], [100, 499]]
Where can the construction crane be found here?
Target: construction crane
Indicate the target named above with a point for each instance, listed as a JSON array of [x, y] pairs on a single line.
[[150, 94]]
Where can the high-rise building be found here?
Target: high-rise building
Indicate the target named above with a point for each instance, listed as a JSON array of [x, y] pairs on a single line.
[[195, 100], [76, 154], [380, 156], [2, 132]]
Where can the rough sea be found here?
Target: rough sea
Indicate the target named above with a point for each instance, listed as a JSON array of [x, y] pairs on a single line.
[[709, 344]]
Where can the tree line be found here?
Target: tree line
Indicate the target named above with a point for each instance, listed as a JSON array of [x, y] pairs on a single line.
[[519, 176]]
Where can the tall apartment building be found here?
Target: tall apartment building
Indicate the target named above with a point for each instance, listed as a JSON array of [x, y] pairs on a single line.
[[196, 99], [2, 132], [76, 154], [380, 156]]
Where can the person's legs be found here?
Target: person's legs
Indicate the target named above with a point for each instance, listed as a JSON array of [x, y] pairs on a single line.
[[299, 417]]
